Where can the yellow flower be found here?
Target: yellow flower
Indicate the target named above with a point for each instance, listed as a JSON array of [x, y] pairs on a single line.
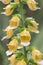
[[36, 55], [12, 46], [9, 33], [25, 36], [8, 10], [14, 22], [6, 1], [21, 62], [32, 4], [33, 27], [12, 59], [16, 1]]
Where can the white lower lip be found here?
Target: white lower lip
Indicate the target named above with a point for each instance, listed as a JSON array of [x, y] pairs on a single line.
[[3, 38], [9, 52], [25, 43], [9, 27], [37, 32], [40, 62]]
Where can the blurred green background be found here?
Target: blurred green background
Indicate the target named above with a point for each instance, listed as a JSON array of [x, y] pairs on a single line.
[[37, 39]]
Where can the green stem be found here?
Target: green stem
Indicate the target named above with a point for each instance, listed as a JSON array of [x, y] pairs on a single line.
[[25, 54], [21, 11]]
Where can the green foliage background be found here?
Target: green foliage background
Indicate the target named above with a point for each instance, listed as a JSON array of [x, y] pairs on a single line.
[[37, 39]]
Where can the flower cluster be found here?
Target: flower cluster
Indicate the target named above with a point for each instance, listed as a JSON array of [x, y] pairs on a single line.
[[19, 50]]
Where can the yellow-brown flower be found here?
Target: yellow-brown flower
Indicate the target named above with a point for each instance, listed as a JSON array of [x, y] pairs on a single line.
[[9, 33], [21, 62], [32, 4], [33, 27], [36, 55], [25, 36], [12, 59], [14, 22], [8, 10], [12, 46], [5, 1]]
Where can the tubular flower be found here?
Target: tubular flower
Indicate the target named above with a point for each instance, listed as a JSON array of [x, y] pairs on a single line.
[[12, 46], [16, 1], [32, 4], [9, 34], [14, 22], [33, 27], [12, 59], [21, 62], [25, 37], [8, 10], [5, 1], [36, 55]]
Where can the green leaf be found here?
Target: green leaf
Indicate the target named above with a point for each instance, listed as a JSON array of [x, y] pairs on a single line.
[[24, 0], [19, 54], [32, 62], [14, 5], [17, 15], [21, 29], [29, 20]]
